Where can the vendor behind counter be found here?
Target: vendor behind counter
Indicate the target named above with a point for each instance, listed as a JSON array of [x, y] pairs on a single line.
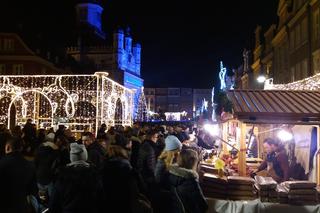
[[276, 164]]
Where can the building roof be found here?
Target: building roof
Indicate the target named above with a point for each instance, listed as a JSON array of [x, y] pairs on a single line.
[[275, 106]]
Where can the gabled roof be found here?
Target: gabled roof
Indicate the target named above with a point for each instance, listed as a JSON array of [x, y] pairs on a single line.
[[273, 106]]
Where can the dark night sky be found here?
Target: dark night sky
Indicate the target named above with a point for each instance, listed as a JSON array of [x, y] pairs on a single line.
[[182, 41]]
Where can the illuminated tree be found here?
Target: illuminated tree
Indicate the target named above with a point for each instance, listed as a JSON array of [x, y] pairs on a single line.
[[141, 108]]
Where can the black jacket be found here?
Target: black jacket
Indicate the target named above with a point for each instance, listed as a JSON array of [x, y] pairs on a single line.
[[122, 185], [147, 161], [184, 183], [136, 144], [78, 189], [96, 154], [17, 180], [46, 162]]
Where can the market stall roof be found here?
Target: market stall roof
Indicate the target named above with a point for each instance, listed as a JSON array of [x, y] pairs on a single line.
[[276, 106]]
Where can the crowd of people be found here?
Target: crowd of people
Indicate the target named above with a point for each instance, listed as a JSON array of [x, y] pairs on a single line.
[[149, 168]]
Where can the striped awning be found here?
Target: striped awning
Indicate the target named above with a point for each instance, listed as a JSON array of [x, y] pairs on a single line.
[[275, 105]]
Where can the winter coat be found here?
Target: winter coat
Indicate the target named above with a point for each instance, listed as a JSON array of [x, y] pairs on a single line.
[[161, 173], [46, 162], [17, 180], [184, 184], [96, 154], [147, 161], [78, 189], [136, 144], [123, 186]]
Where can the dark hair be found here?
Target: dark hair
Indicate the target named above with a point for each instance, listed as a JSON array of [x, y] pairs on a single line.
[[271, 141], [121, 140], [188, 158], [15, 143]]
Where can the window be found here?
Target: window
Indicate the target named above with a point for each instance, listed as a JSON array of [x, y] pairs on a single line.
[[316, 25], [18, 69], [8, 44], [304, 68], [304, 29], [292, 40], [297, 35], [297, 72], [292, 70], [2, 69]]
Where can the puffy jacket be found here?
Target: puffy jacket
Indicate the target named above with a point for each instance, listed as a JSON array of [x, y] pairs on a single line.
[[184, 183], [45, 162]]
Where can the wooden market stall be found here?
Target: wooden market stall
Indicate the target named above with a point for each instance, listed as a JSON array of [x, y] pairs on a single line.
[[266, 110]]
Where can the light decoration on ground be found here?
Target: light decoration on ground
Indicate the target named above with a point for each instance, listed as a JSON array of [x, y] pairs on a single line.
[[310, 83], [50, 100]]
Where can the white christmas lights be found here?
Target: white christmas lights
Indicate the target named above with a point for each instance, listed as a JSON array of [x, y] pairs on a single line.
[[68, 98]]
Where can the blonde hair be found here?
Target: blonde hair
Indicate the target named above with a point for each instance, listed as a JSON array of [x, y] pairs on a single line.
[[169, 156]]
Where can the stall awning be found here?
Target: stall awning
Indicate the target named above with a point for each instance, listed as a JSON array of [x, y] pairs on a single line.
[[275, 105]]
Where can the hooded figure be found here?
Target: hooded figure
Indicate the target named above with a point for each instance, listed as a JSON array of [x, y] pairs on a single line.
[[78, 187]]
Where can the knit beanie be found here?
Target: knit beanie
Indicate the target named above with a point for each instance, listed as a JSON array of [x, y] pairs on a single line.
[[78, 152], [172, 143]]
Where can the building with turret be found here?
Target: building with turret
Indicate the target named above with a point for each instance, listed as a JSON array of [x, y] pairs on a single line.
[[119, 55]]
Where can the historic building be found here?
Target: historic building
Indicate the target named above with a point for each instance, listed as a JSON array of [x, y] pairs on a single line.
[[121, 57], [16, 58], [191, 101], [289, 50]]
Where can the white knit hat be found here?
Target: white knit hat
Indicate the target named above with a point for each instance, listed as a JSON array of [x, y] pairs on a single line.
[[172, 143], [78, 152]]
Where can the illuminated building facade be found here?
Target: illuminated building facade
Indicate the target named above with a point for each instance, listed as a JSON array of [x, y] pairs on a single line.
[[187, 101], [121, 59], [289, 50]]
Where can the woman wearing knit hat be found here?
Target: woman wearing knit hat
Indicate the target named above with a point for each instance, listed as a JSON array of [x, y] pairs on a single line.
[[168, 157], [78, 187]]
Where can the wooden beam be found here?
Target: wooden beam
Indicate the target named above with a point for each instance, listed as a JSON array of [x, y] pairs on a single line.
[[242, 152]]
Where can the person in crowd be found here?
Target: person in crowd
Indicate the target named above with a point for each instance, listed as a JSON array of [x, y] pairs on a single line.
[[96, 152], [69, 136], [17, 179], [61, 141], [46, 159], [167, 158], [202, 141], [4, 135], [135, 147], [102, 131], [123, 186], [41, 137], [111, 134], [78, 187], [276, 164], [184, 184], [17, 132], [147, 157]]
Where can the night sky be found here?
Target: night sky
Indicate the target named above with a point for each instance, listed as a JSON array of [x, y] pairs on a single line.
[[182, 41]]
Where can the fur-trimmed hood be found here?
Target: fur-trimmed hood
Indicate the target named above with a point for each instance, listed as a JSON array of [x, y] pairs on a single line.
[[50, 144], [183, 173]]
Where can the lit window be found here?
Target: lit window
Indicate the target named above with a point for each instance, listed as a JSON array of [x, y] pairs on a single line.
[[18, 69]]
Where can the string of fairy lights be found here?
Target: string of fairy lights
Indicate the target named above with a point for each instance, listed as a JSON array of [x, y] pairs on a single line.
[[50, 100], [310, 83]]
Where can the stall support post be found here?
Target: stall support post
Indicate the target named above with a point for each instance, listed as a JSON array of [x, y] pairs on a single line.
[[318, 156], [225, 137], [242, 148]]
